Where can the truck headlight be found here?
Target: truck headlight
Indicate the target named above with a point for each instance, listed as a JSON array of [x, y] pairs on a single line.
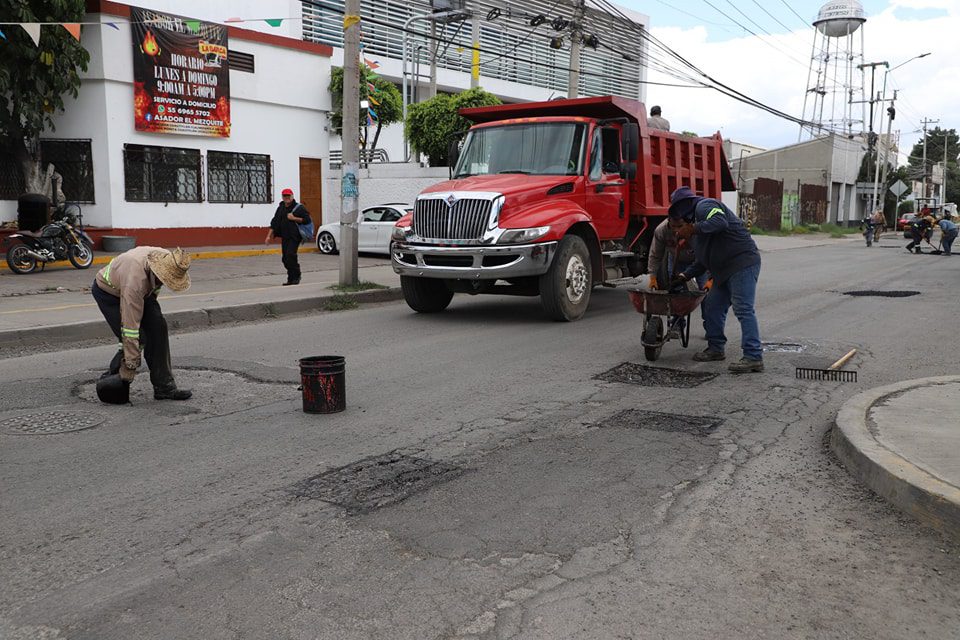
[[400, 233], [513, 236]]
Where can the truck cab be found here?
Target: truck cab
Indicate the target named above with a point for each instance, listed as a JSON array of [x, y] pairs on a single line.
[[544, 199]]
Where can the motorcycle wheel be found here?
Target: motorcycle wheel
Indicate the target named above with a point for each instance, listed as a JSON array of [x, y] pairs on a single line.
[[81, 256], [19, 259]]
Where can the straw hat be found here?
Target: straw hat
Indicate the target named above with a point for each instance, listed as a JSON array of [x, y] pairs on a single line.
[[170, 267]]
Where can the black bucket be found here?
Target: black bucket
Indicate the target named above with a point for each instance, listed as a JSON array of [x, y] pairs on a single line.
[[323, 382]]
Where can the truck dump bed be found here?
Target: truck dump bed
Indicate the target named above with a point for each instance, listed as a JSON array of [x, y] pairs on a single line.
[[666, 160]]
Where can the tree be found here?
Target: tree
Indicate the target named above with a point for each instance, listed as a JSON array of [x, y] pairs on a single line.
[[935, 142], [34, 80], [389, 110], [431, 124]]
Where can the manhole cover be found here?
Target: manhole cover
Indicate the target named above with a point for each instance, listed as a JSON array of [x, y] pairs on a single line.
[[50, 422], [783, 347], [882, 294], [669, 422], [375, 482], [630, 373]]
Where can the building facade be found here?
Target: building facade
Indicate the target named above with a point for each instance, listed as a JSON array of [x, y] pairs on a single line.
[[181, 187]]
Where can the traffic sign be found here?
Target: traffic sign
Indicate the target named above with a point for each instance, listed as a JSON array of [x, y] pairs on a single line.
[[898, 188]]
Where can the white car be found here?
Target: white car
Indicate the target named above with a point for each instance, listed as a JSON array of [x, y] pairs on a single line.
[[374, 230]]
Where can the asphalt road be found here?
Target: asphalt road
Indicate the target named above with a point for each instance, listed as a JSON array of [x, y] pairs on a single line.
[[483, 482]]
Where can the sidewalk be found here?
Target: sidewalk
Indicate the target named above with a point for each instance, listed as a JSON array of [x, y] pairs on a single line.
[[903, 441], [228, 284]]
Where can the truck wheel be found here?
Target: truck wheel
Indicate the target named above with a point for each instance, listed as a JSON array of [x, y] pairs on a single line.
[[565, 288], [425, 295]]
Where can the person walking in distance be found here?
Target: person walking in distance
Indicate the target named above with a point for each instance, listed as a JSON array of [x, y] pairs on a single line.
[[284, 225], [656, 121], [723, 246], [126, 293]]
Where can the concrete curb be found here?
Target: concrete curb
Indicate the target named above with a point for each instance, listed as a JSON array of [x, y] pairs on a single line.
[[195, 255], [190, 318], [910, 488]]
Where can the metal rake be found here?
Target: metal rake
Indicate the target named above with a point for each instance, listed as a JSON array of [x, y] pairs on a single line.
[[833, 373]]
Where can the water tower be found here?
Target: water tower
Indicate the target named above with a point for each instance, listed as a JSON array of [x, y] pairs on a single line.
[[834, 99]]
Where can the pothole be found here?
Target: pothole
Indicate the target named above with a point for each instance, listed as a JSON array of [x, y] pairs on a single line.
[[632, 373], [375, 482], [882, 294], [668, 422], [215, 392], [50, 422], [783, 347]]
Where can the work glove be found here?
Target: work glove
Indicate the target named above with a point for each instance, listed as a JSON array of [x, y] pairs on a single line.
[[127, 374], [653, 282], [708, 285]]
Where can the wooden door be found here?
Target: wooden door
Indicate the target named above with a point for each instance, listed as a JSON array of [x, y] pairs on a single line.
[[311, 188]]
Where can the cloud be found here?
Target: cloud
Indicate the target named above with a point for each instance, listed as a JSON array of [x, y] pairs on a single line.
[[774, 70]]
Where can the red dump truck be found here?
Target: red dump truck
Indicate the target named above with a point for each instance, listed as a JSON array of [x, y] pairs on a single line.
[[549, 199]]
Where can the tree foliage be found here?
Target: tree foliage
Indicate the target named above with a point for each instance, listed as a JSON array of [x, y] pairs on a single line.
[[389, 110], [430, 124], [935, 145], [34, 79]]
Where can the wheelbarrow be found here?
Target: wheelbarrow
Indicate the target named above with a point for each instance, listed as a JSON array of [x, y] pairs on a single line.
[[677, 307]]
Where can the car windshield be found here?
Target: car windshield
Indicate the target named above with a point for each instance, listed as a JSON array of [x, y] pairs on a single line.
[[543, 149]]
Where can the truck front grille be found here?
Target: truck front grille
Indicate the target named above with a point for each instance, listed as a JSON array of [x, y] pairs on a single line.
[[466, 220]]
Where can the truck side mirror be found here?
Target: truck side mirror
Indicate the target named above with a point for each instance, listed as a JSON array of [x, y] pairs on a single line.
[[628, 170], [453, 154], [630, 142]]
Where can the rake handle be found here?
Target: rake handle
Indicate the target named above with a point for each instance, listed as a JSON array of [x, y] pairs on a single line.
[[839, 363]]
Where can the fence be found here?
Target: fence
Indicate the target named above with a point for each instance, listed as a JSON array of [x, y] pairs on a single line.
[[770, 208]]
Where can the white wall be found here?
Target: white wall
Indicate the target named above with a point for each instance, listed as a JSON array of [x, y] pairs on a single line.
[[221, 10], [383, 183]]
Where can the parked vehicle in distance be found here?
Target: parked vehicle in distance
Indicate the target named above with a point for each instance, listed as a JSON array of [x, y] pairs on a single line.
[[549, 199], [373, 232], [904, 221]]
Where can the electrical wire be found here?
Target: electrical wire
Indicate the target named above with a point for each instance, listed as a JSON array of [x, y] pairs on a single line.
[[427, 36], [775, 18], [522, 40], [802, 19]]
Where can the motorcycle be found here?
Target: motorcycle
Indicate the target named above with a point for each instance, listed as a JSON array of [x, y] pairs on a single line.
[[59, 240]]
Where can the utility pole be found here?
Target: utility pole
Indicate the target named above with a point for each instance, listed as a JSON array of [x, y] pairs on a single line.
[[349, 177], [475, 54], [871, 136], [943, 185], [925, 123], [434, 47], [576, 35], [891, 113]]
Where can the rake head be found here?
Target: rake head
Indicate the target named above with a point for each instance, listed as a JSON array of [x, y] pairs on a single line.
[[833, 375]]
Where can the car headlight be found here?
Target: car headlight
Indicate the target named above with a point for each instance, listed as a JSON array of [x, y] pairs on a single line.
[[400, 233], [513, 236]]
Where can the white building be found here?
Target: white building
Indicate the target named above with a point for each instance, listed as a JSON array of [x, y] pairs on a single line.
[[193, 190], [517, 60]]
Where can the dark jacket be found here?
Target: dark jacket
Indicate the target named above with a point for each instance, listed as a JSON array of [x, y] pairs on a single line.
[[721, 243], [284, 227]]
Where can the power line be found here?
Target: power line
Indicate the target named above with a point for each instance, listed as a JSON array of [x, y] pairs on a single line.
[[777, 20], [802, 19], [427, 36], [754, 33]]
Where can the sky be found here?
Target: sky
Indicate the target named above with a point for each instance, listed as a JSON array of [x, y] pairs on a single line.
[[773, 69]]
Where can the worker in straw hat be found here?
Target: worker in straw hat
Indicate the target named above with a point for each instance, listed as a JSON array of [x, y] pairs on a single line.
[[126, 292]]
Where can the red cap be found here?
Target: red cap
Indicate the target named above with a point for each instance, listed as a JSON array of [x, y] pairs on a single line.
[[287, 192]]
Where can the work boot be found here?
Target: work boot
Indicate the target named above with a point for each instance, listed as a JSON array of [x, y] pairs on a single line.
[[746, 365], [172, 394], [290, 282], [709, 355]]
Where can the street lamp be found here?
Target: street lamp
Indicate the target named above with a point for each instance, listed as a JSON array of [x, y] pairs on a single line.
[[877, 179]]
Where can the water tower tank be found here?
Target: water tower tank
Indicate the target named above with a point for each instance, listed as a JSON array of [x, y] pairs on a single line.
[[840, 18]]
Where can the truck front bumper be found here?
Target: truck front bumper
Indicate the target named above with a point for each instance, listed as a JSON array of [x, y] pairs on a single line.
[[472, 262]]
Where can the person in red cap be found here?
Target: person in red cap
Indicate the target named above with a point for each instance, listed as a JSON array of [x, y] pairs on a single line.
[[285, 225]]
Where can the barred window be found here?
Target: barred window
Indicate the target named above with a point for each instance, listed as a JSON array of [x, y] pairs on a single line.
[[73, 160], [239, 177], [162, 174]]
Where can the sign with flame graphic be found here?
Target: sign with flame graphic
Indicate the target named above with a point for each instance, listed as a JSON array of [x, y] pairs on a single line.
[[181, 79]]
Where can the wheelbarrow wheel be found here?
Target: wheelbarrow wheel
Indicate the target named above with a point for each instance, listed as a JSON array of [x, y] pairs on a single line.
[[652, 338]]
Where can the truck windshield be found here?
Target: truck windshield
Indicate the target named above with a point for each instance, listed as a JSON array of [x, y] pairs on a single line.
[[543, 149]]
